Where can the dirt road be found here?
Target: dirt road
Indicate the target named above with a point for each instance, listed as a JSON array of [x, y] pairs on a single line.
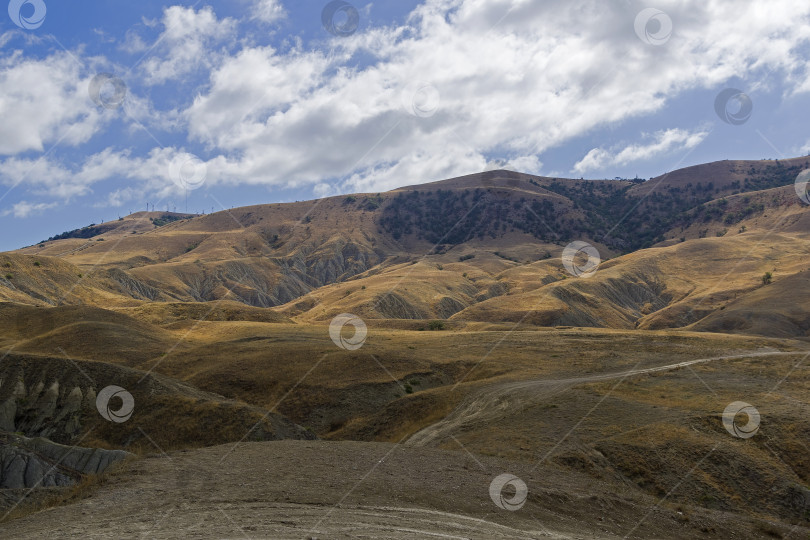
[[495, 401]]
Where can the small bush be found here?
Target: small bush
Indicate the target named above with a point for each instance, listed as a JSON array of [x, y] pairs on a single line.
[[436, 325], [408, 388], [466, 257], [9, 276], [767, 278], [37, 263]]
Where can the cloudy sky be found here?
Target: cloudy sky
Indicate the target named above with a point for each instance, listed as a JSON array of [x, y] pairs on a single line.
[[106, 106]]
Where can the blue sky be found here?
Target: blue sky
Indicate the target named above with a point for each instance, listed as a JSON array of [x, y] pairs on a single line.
[[225, 104]]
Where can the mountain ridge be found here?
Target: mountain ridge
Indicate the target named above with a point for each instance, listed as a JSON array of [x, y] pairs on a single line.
[[455, 246]]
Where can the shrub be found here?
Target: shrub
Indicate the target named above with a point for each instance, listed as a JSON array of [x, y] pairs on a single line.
[[408, 388], [9, 276], [436, 325], [37, 263], [767, 278]]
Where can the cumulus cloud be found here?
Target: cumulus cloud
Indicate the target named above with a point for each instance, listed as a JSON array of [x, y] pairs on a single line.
[[25, 209], [662, 142], [511, 76], [43, 102], [459, 82], [153, 172], [268, 11], [186, 43]]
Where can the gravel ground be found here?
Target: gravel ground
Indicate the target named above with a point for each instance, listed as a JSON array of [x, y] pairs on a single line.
[[316, 489]]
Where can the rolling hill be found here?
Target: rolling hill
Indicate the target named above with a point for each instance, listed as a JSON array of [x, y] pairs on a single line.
[[484, 247], [481, 346]]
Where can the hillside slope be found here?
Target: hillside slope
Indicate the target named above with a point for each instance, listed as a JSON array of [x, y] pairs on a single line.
[[484, 247]]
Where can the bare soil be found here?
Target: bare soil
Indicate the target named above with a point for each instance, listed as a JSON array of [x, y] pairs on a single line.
[[316, 489]]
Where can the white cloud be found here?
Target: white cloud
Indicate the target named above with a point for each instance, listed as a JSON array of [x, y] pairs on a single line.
[[5, 37], [186, 43], [663, 142], [521, 87], [118, 197], [25, 209], [512, 77], [527, 164], [153, 173], [268, 11], [43, 102], [133, 43]]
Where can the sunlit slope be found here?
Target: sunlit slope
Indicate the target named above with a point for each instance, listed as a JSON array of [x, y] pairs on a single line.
[[483, 247]]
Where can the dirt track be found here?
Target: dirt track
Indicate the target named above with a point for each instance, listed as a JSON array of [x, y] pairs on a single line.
[[495, 401]]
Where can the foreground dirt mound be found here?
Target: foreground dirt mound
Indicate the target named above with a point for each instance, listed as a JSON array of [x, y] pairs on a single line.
[[296, 489]]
